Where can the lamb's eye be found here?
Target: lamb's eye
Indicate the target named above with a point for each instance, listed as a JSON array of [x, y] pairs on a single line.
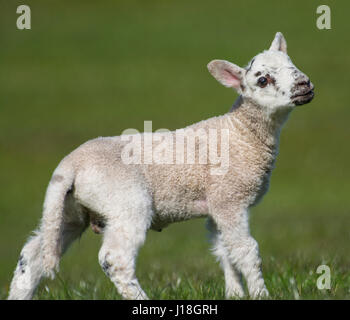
[[262, 82]]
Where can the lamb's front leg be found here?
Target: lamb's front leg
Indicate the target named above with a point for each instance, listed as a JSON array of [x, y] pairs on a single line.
[[233, 278], [242, 249]]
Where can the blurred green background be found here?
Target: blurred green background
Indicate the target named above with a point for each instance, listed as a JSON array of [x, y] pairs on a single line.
[[94, 68]]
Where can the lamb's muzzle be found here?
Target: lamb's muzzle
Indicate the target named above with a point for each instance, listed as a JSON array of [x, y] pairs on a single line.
[[303, 92]]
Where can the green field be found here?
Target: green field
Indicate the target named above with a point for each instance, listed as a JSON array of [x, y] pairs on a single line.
[[89, 69]]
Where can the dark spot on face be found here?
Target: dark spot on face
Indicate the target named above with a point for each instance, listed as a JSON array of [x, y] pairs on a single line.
[[250, 65], [56, 178], [294, 89], [271, 79], [242, 87], [283, 93], [257, 74]]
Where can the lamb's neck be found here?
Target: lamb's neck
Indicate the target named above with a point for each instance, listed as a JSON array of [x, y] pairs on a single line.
[[262, 124]]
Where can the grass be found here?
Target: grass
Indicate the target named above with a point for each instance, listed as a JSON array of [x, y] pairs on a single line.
[[88, 69], [184, 269]]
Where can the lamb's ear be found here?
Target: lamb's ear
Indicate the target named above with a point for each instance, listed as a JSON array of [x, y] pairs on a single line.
[[279, 43], [226, 73]]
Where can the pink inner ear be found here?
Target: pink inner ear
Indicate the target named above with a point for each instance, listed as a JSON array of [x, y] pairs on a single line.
[[230, 79]]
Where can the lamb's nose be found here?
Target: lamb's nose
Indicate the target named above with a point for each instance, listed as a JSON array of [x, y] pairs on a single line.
[[304, 83]]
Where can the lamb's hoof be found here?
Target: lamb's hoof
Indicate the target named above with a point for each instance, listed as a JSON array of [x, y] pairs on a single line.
[[235, 293], [50, 266], [261, 294]]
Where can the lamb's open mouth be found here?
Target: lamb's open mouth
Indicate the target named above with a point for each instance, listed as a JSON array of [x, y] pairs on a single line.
[[303, 98]]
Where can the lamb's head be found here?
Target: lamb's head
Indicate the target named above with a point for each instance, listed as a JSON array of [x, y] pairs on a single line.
[[270, 80]]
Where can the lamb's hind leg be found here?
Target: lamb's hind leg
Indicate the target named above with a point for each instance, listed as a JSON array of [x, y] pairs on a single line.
[[29, 270], [118, 254], [124, 234]]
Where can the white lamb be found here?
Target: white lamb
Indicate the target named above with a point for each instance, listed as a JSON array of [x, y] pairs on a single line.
[[94, 185]]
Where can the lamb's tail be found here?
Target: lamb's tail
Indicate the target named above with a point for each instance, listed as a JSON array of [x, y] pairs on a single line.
[[52, 222]]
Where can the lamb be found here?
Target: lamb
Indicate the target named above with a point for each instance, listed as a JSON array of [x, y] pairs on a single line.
[[93, 185]]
